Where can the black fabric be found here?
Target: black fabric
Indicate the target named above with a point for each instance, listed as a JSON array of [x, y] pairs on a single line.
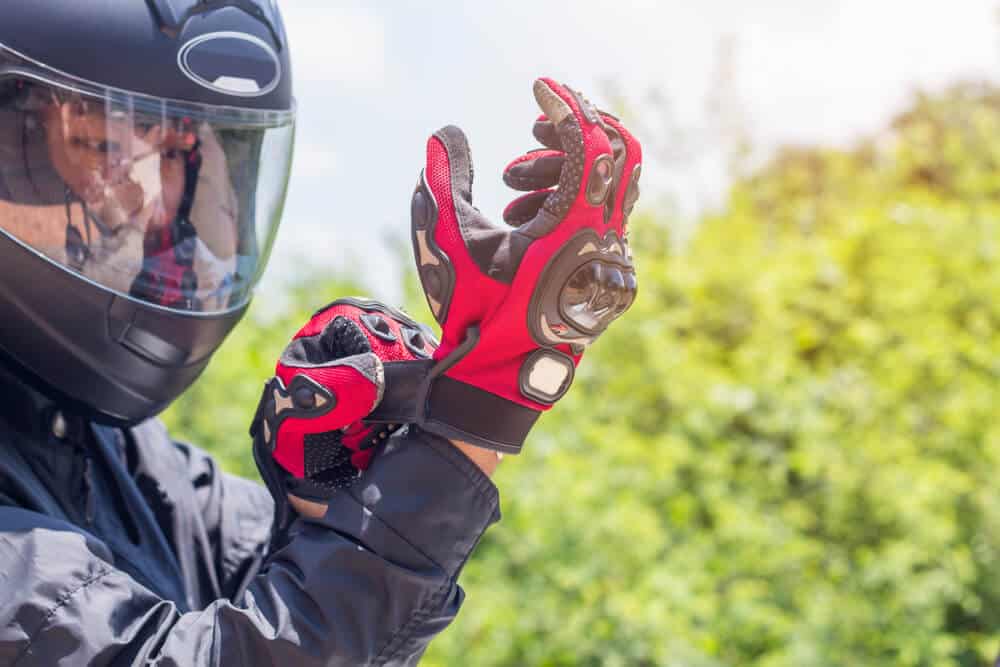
[[171, 567], [327, 461], [545, 132], [469, 413], [402, 386], [560, 201], [524, 209], [535, 174], [328, 464]]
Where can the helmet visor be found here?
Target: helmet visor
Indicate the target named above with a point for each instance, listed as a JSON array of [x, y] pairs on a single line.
[[173, 204]]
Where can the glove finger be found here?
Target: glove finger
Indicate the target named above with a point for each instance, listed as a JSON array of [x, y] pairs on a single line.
[[335, 459], [587, 148], [443, 195], [619, 154], [525, 208], [628, 169], [536, 170], [545, 132], [353, 325], [312, 401], [327, 339]]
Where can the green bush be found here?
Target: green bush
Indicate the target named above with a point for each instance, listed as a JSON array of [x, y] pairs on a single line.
[[784, 454]]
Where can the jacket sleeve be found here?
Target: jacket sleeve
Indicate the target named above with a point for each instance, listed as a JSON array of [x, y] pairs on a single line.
[[368, 584], [237, 515]]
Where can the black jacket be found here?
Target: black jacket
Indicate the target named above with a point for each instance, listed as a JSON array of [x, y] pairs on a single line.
[[126, 548]]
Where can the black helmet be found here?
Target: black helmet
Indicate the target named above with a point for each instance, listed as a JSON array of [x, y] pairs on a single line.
[[145, 147]]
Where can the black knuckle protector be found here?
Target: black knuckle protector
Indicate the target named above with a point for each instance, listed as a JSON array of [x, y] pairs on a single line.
[[585, 287]]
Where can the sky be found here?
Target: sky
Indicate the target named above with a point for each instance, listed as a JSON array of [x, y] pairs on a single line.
[[374, 79]]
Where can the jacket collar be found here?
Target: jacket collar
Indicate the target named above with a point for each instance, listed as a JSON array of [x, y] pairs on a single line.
[[32, 413]]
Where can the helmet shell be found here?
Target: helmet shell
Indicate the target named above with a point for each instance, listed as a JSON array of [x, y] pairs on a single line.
[[116, 359], [124, 44]]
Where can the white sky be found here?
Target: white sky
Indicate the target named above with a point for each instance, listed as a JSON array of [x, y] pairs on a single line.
[[374, 79]]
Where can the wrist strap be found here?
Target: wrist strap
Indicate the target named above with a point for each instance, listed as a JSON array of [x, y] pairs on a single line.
[[403, 383], [418, 392], [460, 411]]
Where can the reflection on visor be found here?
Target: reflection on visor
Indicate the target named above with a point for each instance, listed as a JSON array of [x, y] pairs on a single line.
[[172, 205]]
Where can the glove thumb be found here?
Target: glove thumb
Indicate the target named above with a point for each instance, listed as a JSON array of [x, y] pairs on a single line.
[[442, 198]]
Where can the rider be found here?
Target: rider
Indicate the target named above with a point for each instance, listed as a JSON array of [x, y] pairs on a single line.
[[145, 147]]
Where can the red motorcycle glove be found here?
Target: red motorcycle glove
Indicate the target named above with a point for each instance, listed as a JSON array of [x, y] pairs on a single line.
[[519, 302], [309, 435]]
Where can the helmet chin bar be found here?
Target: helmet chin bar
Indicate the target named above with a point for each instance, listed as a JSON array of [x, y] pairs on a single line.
[[584, 288], [117, 360]]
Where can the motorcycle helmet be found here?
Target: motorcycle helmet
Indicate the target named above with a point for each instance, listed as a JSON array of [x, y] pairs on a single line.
[[145, 148]]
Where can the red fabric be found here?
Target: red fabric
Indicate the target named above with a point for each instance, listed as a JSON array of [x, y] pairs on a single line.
[[478, 294], [355, 396], [357, 437]]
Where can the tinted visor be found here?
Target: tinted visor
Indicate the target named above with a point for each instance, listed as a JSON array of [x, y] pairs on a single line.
[[170, 203]]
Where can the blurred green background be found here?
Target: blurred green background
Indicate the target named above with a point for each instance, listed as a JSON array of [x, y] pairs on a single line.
[[784, 454]]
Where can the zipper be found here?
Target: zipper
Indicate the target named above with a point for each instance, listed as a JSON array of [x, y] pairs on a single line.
[[89, 499]]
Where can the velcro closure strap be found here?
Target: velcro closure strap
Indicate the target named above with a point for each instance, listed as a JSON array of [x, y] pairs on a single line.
[[451, 409], [460, 411], [403, 383]]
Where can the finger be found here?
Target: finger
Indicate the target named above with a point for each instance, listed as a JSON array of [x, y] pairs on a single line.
[[587, 148], [558, 102], [442, 200], [545, 132], [618, 149], [351, 387], [525, 208], [620, 156], [321, 399], [449, 165], [536, 170], [628, 169], [354, 325]]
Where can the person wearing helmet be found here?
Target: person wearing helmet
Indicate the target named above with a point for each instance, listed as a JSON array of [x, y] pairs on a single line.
[[145, 147]]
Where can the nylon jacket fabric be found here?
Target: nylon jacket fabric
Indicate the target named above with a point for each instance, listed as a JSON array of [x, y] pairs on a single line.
[[126, 548]]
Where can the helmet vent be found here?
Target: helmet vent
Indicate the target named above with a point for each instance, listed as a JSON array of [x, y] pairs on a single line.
[[231, 63]]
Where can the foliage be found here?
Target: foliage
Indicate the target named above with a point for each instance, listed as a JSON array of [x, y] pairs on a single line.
[[784, 454]]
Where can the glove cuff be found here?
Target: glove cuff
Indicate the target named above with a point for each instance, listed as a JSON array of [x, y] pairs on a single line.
[[419, 392], [452, 409], [460, 411]]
